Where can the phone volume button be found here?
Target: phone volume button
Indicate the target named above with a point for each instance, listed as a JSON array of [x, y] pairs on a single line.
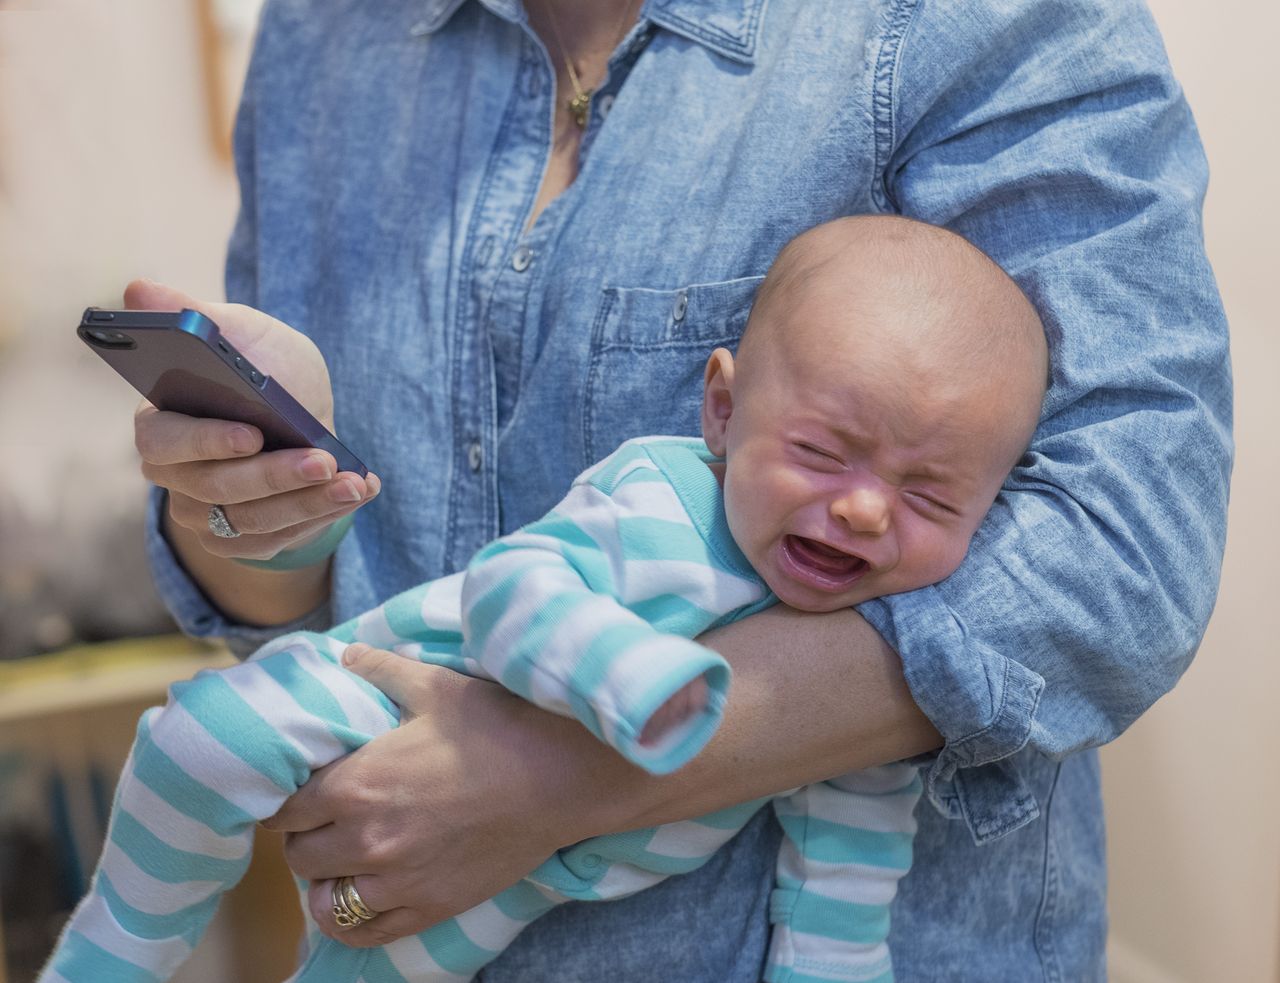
[[256, 377]]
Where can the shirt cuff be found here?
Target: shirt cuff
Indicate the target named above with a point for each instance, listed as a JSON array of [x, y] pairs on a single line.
[[983, 703], [194, 613]]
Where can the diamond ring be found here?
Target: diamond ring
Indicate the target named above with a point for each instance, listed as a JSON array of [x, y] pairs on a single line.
[[220, 525]]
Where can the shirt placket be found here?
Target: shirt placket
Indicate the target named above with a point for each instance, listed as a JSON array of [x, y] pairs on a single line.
[[499, 272]]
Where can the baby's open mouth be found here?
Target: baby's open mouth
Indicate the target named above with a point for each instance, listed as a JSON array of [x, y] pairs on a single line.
[[821, 565]]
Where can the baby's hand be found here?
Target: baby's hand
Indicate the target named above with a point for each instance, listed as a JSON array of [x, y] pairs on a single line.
[[687, 702]]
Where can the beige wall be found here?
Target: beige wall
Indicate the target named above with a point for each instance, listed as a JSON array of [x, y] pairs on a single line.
[[1192, 790]]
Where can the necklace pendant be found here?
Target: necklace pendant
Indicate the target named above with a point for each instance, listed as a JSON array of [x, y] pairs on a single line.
[[579, 107]]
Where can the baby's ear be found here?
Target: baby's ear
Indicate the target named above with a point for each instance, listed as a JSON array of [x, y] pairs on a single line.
[[717, 400]]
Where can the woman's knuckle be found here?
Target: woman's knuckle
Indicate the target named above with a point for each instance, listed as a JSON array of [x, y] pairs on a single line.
[[375, 850], [216, 484], [207, 443], [182, 511], [247, 519], [277, 479]]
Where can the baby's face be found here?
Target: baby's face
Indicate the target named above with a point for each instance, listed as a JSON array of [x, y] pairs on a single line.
[[859, 470]]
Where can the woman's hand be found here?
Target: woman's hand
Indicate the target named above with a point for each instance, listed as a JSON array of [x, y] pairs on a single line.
[[476, 787], [459, 802], [276, 500]]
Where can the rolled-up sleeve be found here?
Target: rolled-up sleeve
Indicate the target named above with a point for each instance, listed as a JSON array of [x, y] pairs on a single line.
[[1054, 137]]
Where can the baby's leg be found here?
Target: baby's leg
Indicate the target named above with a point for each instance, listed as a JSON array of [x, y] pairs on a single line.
[[847, 844], [225, 752]]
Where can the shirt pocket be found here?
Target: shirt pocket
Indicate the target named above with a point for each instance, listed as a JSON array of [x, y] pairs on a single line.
[[648, 352]]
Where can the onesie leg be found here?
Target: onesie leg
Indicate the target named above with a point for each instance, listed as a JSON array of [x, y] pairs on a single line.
[[225, 752], [847, 844]]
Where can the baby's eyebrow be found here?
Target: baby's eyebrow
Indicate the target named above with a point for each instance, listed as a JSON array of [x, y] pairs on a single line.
[[929, 472], [847, 434]]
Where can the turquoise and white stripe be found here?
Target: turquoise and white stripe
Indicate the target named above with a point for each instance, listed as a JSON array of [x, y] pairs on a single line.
[[588, 612]]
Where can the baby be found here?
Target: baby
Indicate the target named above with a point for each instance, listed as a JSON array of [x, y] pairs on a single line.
[[889, 378]]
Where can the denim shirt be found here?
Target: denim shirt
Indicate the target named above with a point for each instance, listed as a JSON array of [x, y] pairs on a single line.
[[390, 154]]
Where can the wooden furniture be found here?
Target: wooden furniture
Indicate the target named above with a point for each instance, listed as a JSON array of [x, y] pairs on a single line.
[[73, 713]]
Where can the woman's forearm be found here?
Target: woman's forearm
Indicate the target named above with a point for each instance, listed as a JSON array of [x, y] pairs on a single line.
[[245, 594], [813, 696]]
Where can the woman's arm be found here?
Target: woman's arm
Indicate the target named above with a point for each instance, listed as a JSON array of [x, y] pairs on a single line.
[[477, 787], [254, 597], [814, 695], [277, 500]]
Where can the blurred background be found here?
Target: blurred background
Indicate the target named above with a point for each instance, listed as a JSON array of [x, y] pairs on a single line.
[[114, 163]]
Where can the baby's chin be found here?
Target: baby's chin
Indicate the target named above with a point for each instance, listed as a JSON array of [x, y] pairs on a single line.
[[813, 602]]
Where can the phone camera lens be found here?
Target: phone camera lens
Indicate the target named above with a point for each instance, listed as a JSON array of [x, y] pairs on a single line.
[[106, 338]]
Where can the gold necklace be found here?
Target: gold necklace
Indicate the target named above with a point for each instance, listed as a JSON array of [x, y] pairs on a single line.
[[580, 103]]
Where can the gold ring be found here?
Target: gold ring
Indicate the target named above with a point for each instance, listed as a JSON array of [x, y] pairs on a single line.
[[349, 909]]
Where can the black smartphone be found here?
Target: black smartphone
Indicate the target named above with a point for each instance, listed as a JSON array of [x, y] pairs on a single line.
[[180, 362]]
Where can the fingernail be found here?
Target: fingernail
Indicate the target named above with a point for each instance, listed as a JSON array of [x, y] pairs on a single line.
[[372, 485], [353, 652], [315, 468], [242, 441], [345, 491]]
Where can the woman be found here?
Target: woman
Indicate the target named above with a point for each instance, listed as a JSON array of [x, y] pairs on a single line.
[[512, 236]]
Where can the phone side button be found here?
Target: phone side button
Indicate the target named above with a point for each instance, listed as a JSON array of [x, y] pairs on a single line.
[[256, 377], [102, 316]]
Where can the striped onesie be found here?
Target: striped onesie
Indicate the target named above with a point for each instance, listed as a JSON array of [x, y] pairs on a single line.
[[589, 612]]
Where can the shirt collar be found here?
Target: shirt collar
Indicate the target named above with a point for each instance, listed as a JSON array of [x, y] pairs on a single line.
[[728, 27]]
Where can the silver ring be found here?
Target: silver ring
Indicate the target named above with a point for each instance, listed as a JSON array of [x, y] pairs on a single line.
[[220, 525]]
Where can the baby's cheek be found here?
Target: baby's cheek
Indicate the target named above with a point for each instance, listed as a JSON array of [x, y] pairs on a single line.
[[941, 552]]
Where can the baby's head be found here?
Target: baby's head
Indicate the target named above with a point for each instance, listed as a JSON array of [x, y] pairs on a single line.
[[890, 377]]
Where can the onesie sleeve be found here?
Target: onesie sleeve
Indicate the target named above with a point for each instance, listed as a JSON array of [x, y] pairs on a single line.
[[1055, 137], [564, 613]]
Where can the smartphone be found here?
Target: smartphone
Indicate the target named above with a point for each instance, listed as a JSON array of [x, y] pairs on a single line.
[[180, 362]]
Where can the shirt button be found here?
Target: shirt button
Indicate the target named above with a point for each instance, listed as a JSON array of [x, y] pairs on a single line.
[[521, 259], [475, 455], [680, 306], [592, 860], [604, 104]]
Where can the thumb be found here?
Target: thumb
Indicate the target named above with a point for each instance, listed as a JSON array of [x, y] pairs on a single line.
[[147, 295], [392, 674]]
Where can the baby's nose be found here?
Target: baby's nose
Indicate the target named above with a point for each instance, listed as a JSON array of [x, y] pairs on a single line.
[[864, 510]]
